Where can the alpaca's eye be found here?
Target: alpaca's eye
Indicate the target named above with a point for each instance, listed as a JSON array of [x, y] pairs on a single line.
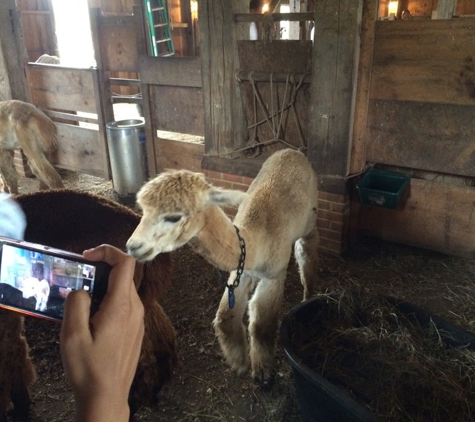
[[173, 218]]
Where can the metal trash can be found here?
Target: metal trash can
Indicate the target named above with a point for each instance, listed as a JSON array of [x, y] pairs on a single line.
[[128, 158]]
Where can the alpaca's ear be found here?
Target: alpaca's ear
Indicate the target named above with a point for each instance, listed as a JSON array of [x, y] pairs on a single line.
[[226, 197]]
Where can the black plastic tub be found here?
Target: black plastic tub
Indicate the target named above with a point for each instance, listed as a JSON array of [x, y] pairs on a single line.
[[322, 401]]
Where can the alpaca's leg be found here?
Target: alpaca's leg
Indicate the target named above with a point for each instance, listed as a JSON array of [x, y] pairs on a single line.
[[229, 325], [264, 308], [21, 398], [39, 164], [8, 172], [306, 255]]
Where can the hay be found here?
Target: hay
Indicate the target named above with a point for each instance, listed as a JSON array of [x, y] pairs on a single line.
[[386, 361]]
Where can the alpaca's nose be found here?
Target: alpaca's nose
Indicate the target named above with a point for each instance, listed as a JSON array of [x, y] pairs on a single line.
[[140, 251], [133, 246]]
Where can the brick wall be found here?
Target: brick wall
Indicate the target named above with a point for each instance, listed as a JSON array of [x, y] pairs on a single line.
[[333, 211], [332, 222]]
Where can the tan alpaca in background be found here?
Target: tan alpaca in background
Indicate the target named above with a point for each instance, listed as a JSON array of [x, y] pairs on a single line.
[[24, 126]]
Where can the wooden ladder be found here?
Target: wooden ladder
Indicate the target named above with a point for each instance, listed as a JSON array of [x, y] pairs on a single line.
[[161, 43]]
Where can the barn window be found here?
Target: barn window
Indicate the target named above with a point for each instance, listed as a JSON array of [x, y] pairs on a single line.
[[73, 33], [172, 27]]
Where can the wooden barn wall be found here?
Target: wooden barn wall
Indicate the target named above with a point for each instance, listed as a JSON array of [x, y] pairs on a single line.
[[436, 216], [422, 96], [421, 119]]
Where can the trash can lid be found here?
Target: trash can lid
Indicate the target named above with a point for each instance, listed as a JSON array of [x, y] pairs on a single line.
[[128, 123]]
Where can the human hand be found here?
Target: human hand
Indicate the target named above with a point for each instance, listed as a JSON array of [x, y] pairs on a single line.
[[100, 354]]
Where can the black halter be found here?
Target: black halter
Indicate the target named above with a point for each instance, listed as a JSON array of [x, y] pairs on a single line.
[[239, 271]]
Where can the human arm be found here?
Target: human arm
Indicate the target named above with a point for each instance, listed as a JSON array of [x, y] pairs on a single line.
[[100, 354]]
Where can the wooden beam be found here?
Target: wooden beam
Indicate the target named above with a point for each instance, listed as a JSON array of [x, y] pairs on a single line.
[[172, 71], [225, 123], [13, 52], [358, 146], [335, 63], [276, 17]]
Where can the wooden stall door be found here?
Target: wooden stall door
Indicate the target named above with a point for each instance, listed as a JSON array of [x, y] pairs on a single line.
[[63, 93]]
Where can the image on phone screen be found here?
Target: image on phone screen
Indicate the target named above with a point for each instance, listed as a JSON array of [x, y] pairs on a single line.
[[38, 282]]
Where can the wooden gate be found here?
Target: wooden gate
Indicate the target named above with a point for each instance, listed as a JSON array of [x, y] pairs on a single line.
[[71, 98]]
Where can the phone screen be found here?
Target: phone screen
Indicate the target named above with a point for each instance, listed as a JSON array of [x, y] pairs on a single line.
[[37, 283]]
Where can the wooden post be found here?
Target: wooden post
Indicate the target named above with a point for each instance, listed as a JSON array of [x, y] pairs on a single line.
[[335, 63], [334, 75], [13, 54], [225, 124], [358, 150], [142, 42]]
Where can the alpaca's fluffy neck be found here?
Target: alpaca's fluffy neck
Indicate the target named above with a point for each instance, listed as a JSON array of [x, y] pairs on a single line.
[[217, 241]]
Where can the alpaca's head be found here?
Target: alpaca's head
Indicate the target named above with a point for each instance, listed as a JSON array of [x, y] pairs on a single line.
[[174, 205]]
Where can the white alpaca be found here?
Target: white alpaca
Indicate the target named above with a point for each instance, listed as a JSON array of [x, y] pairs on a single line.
[[47, 59], [278, 211], [39, 289]]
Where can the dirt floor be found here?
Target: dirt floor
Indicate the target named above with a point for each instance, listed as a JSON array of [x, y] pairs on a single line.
[[204, 389]]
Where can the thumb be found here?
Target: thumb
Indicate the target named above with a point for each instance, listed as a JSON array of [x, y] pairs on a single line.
[[76, 315]]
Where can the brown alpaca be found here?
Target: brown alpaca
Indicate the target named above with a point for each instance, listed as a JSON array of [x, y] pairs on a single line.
[[24, 126], [17, 372], [75, 221]]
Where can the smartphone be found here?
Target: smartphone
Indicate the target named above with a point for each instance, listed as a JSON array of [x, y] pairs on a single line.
[[36, 279]]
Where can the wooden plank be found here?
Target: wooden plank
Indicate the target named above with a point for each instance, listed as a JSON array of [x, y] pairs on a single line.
[[419, 61], [465, 7], [79, 149], [103, 116], [276, 17], [436, 216], [279, 56], [177, 109], [179, 155], [115, 6], [118, 43], [435, 137], [150, 145], [173, 71], [335, 64], [358, 145], [56, 87], [445, 9]]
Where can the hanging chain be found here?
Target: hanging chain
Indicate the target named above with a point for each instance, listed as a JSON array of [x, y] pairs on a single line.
[[239, 271]]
